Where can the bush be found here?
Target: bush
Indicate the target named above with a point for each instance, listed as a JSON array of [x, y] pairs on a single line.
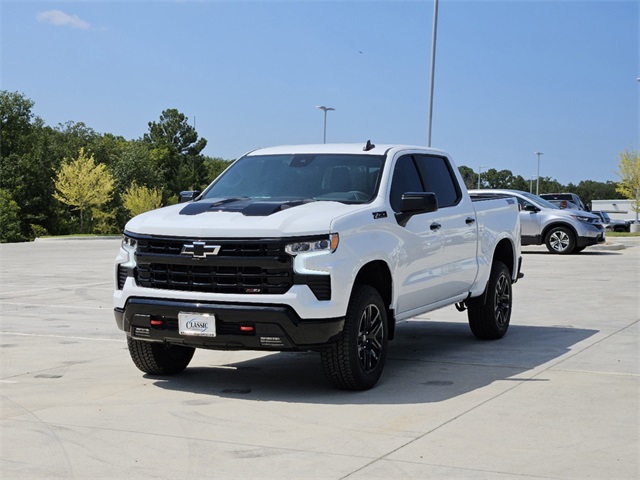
[[9, 218]]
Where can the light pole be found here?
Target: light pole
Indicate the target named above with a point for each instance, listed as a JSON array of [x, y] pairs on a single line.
[[325, 110], [531, 183], [433, 68], [480, 173], [538, 175]]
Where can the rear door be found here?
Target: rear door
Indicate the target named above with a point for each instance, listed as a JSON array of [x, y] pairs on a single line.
[[458, 220]]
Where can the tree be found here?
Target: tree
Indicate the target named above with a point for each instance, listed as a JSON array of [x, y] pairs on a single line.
[[215, 166], [469, 177], [183, 164], [629, 173], [82, 184], [9, 218], [141, 199], [15, 122]]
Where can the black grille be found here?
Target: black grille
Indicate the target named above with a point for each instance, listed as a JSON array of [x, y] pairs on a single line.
[[123, 273], [320, 285], [227, 248], [246, 267]]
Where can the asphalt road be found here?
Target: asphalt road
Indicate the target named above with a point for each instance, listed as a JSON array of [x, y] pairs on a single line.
[[557, 398]]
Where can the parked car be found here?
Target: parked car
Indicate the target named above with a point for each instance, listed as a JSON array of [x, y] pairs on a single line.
[[611, 224], [561, 230], [315, 247], [564, 204], [569, 197]]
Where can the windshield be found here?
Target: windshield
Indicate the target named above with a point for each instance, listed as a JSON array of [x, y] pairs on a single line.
[[539, 201], [342, 178]]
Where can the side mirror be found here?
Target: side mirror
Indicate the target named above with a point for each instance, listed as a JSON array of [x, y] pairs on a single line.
[[415, 203], [188, 196], [530, 208]]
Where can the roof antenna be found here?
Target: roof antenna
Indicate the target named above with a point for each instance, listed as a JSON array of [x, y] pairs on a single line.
[[369, 146]]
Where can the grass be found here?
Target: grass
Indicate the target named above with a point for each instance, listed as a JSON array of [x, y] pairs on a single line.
[[623, 234]]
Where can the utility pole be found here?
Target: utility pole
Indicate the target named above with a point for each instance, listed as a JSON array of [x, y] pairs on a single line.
[[433, 69]]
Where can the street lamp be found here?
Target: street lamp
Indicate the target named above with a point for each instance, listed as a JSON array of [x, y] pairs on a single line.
[[433, 68], [538, 175], [531, 183], [480, 172], [325, 110]]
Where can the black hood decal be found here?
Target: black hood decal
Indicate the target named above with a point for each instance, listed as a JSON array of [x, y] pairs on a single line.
[[249, 207]]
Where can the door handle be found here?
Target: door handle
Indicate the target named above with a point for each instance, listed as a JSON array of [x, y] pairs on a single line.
[[435, 226], [470, 221]]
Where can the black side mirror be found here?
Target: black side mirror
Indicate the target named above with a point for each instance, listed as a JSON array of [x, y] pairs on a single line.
[[415, 203], [530, 208], [188, 196]]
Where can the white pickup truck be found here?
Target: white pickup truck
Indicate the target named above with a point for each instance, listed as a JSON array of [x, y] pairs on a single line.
[[315, 247]]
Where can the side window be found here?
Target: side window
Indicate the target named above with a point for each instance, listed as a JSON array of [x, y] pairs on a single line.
[[439, 179], [405, 179]]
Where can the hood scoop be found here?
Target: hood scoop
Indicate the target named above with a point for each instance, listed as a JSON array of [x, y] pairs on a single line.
[[244, 205]]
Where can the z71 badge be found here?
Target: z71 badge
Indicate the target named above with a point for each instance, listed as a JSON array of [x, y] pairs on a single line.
[[377, 215]]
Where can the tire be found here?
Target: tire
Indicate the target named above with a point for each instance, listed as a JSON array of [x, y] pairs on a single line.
[[356, 360], [159, 358], [560, 240], [489, 315]]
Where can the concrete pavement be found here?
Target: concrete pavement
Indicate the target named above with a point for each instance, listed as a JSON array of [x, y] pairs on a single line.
[[557, 398]]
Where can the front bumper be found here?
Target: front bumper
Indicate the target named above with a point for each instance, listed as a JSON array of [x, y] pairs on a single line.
[[274, 327], [591, 235]]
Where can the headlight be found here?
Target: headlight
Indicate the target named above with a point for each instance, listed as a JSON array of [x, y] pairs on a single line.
[[129, 243], [583, 219], [325, 244]]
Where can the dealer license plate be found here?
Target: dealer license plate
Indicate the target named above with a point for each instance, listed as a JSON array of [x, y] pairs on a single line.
[[197, 324]]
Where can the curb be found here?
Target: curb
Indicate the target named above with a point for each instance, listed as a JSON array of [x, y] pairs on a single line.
[[62, 239]]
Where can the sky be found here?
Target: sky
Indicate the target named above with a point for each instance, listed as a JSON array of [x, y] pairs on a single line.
[[512, 77]]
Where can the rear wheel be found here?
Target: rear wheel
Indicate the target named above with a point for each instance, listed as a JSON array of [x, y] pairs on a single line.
[[159, 358], [356, 361], [489, 315], [560, 240]]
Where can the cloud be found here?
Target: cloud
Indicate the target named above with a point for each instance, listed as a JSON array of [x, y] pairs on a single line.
[[61, 19]]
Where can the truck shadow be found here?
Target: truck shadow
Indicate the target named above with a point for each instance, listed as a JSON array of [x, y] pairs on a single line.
[[428, 362]]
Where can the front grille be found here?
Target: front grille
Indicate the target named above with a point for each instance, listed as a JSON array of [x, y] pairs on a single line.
[[245, 267]]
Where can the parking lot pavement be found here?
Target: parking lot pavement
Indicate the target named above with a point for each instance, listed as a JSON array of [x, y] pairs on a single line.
[[557, 398]]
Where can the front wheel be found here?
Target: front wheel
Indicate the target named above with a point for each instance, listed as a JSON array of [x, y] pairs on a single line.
[[159, 358], [356, 360], [560, 240], [489, 315]]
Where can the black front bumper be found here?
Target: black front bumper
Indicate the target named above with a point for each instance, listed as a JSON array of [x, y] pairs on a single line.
[[264, 327], [588, 241]]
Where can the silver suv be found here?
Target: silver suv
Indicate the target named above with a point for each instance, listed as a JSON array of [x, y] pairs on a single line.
[[561, 230]]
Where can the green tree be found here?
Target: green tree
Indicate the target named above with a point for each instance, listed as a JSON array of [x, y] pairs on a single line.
[[629, 173], [469, 177], [215, 166], [15, 122], [589, 190], [493, 178], [141, 199], [83, 184], [183, 164], [9, 218]]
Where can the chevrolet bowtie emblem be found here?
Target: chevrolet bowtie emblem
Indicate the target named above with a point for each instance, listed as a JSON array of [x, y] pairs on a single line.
[[200, 249]]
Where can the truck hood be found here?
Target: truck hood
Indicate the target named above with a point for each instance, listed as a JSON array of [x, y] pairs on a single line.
[[241, 217]]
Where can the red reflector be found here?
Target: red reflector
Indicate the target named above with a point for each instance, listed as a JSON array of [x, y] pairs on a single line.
[[157, 323], [247, 328]]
